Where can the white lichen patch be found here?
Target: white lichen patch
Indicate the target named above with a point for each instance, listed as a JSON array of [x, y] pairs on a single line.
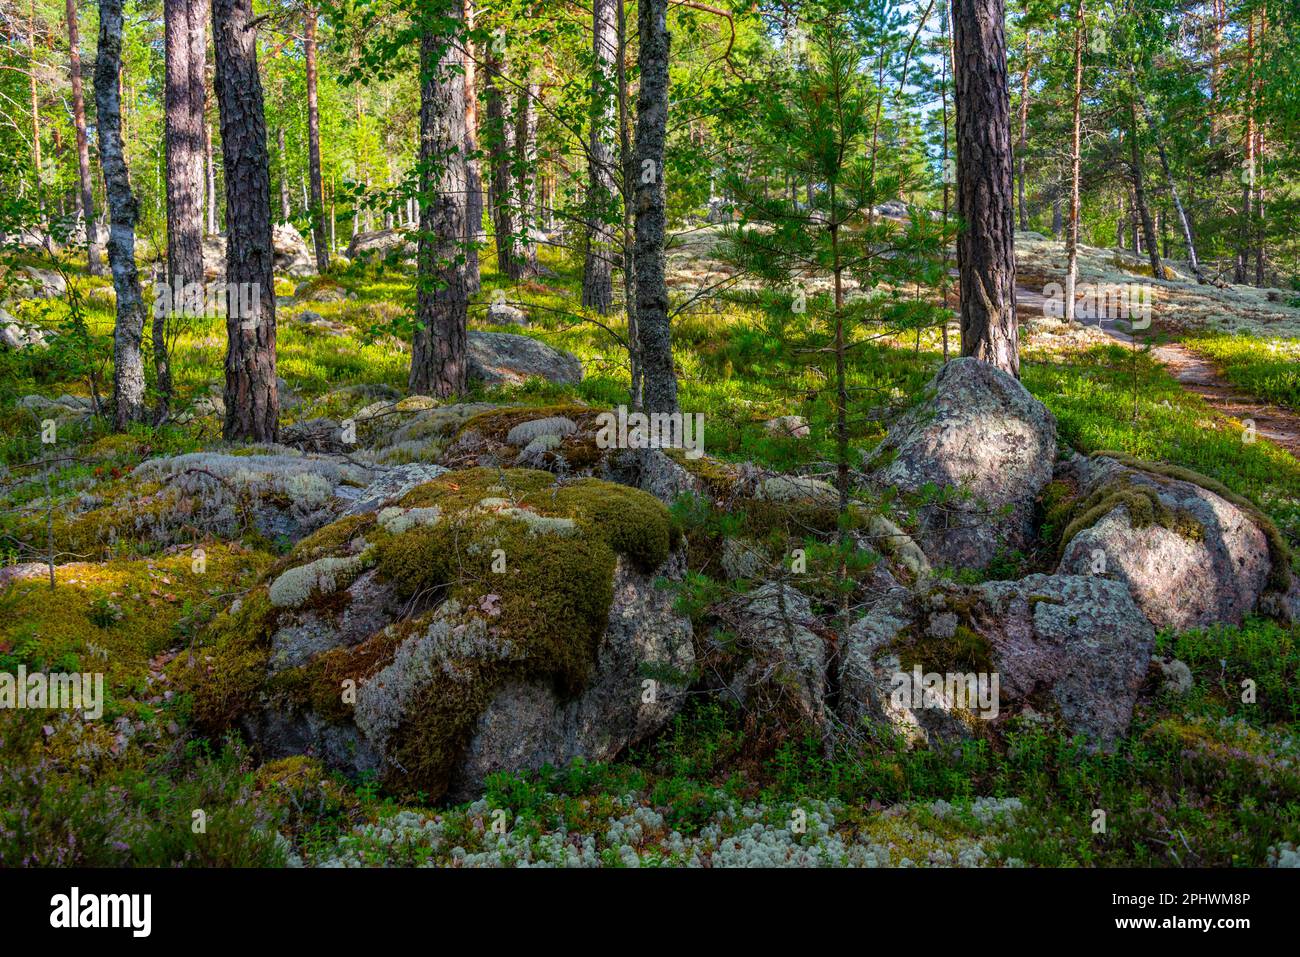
[[525, 432], [399, 520], [314, 580]]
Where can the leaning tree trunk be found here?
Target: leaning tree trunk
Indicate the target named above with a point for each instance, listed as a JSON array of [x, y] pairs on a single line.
[[500, 135], [526, 173], [128, 332], [439, 361], [1023, 146], [652, 319], [185, 49], [986, 245], [598, 269], [252, 399], [93, 249], [1140, 196], [313, 148], [282, 157]]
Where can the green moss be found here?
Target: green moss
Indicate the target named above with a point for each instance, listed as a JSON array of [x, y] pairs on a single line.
[[495, 424], [966, 651], [224, 675]]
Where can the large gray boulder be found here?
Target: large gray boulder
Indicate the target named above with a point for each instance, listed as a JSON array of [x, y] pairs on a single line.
[[292, 255], [987, 445], [1063, 648], [381, 244], [500, 358], [1189, 556], [785, 660]]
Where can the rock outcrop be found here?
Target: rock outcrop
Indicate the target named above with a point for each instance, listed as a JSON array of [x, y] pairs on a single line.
[[987, 446]]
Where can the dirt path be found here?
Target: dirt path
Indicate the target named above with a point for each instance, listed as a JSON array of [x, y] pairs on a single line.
[[1280, 426]]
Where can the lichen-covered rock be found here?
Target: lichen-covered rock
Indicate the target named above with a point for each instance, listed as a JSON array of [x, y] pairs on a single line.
[[987, 446], [1074, 649], [488, 620], [501, 358], [17, 335], [1190, 551], [381, 244]]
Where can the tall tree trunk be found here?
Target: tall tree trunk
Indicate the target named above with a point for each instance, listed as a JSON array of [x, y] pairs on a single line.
[[500, 132], [627, 164], [653, 321], [439, 363], [1024, 133], [474, 210], [526, 173], [87, 190], [185, 49], [252, 398], [598, 269], [1245, 229], [313, 147], [128, 331], [211, 165], [37, 162], [1072, 226], [1140, 195], [282, 158], [986, 256], [1183, 222]]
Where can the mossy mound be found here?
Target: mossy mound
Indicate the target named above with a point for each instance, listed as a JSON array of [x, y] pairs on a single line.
[[509, 576]]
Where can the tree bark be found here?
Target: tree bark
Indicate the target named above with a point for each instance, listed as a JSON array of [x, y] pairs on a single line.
[[94, 250], [986, 245], [627, 162], [251, 394], [474, 211], [1140, 195], [1245, 230], [653, 321], [313, 147], [128, 331], [185, 49], [439, 363], [1072, 227], [1024, 134], [282, 159], [598, 269], [212, 178], [500, 133], [526, 173]]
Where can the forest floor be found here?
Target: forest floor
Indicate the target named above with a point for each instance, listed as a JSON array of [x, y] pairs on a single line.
[[1201, 779]]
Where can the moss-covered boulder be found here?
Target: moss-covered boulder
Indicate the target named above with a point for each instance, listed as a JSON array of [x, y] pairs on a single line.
[[1191, 552], [489, 620], [948, 663]]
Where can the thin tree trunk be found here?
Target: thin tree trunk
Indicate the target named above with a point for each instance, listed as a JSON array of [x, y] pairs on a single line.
[[251, 394], [439, 363], [1140, 195], [37, 162], [526, 173], [474, 211], [210, 162], [499, 131], [627, 160], [282, 158], [1245, 228], [185, 48], [94, 250], [986, 245], [128, 331], [313, 147], [598, 269], [1183, 222], [1024, 133], [1072, 227], [653, 321]]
